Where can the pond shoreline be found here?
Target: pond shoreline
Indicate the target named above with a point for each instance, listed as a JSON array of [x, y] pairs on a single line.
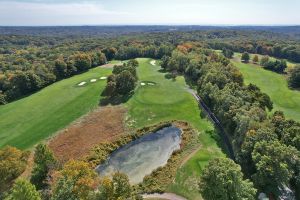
[[160, 178]]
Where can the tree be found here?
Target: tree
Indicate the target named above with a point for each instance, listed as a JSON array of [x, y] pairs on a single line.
[[12, 164], [110, 89], [275, 164], [264, 60], [227, 53], [252, 137], [44, 161], [110, 53], [245, 57], [122, 188], [294, 77], [125, 82], [64, 190], [165, 62], [23, 190], [106, 189], [76, 178], [60, 69], [222, 179], [82, 62], [115, 189], [133, 62], [2, 99], [255, 59]]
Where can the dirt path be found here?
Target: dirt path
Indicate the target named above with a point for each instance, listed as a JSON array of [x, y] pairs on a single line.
[[189, 156], [166, 196]]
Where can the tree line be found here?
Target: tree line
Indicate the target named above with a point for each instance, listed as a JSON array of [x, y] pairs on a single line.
[[267, 148]]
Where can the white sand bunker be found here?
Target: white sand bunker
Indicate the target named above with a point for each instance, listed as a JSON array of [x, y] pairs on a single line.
[[147, 83], [103, 78], [82, 83], [93, 80], [153, 62]]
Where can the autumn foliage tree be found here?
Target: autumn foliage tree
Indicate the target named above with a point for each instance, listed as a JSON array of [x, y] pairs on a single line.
[[12, 164], [255, 59], [116, 188], [82, 61], [77, 179], [23, 190]]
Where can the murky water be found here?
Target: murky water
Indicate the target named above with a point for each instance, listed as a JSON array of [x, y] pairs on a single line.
[[142, 156]]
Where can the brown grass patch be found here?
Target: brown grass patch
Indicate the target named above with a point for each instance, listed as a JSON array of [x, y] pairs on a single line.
[[105, 124]]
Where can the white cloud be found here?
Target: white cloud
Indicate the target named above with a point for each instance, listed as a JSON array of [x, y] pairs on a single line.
[[31, 13]]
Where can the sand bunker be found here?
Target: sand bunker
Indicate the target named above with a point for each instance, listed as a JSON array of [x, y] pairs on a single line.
[[93, 80], [103, 78], [147, 83], [82, 83], [153, 62]]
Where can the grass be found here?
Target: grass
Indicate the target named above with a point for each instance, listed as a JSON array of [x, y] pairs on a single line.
[[237, 56], [275, 85], [169, 100], [32, 119]]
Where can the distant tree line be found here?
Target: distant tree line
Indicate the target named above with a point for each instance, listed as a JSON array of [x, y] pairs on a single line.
[[282, 50]]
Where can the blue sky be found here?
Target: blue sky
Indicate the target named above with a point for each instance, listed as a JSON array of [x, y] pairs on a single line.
[[137, 12]]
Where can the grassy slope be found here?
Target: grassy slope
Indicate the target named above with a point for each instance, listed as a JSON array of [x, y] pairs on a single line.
[[275, 85], [34, 118], [289, 63], [169, 100]]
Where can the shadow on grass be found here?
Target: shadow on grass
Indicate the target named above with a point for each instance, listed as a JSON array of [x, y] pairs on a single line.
[[170, 76], [215, 134], [114, 100]]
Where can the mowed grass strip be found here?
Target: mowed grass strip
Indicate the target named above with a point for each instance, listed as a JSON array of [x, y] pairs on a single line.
[[32, 119], [169, 100], [275, 85]]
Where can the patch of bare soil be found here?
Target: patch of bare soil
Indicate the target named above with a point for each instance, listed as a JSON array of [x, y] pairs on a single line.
[[105, 124]]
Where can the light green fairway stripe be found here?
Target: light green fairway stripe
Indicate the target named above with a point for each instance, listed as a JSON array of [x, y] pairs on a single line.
[[34, 118], [275, 85]]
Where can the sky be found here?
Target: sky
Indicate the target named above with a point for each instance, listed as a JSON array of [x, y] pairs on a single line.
[[149, 12]]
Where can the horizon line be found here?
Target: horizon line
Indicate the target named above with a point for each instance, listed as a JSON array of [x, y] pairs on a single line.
[[111, 25]]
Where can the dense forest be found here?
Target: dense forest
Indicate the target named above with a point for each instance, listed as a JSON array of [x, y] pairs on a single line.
[[29, 63], [266, 147]]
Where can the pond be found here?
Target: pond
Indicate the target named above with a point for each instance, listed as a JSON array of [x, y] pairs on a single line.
[[140, 157]]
